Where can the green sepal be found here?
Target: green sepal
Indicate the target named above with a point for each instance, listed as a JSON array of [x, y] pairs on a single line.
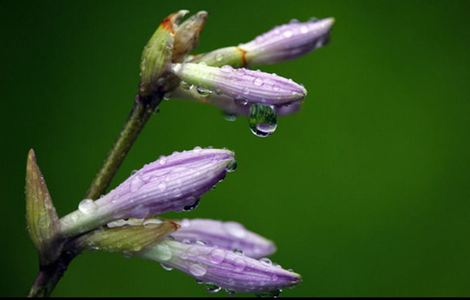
[[41, 217], [127, 239]]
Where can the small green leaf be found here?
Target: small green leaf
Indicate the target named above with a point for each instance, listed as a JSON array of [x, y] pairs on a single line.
[[41, 217]]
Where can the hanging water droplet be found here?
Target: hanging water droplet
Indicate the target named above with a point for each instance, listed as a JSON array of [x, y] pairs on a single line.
[[203, 92], [232, 166], [241, 101], [212, 288], [166, 267], [87, 206], [197, 270], [193, 205], [263, 120], [229, 117]]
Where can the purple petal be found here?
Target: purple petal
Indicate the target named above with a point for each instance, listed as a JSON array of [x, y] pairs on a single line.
[[226, 235], [172, 183], [240, 84], [226, 269], [288, 41]]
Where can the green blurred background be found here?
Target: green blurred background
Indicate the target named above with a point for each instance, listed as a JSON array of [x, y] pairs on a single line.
[[365, 191]]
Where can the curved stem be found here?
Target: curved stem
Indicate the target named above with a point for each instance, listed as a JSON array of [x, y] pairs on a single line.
[[141, 111]]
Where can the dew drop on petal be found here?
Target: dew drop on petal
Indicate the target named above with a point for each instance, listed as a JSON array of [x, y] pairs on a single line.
[[163, 252], [235, 229], [239, 264], [266, 261], [258, 82], [217, 256], [197, 270], [232, 166], [87, 206]]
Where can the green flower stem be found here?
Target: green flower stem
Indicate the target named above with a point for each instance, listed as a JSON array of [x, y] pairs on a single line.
[[141, 112]]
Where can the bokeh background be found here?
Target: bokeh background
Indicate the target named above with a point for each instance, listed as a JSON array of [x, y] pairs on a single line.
[[365, 191]]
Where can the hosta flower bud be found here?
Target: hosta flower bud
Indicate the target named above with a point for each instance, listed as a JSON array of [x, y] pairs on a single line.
[[158, 53], [283, 42], [226, 235], [288, 41], [240, 84], [223, 268], [187, 35], [172, 183], [41, 217]]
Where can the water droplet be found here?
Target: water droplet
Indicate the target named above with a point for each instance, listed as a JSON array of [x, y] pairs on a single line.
[[238, 251], [152, 222], [239, 264], [193, 205], [263, 120], [197, 149], [202, 243], [162, 160], [230, 117], [166, 267], [232, 166], [241, 101], [219, 57], [303, 29], [163, 252], [212, 288], [266, 261], [258, 81], [226, 68], [217, 256], [235, 229], [197, 270], [185, 223], [136, 183], [287, 33], [87, 206], [162, 186], [203, 92], [167, 96]]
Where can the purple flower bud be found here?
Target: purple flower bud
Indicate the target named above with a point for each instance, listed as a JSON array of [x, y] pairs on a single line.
[[226, 235], [240, 84], [172, 183], [288, 41], [223, 268]]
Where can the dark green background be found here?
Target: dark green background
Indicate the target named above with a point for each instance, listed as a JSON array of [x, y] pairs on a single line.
[[365, 191]]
